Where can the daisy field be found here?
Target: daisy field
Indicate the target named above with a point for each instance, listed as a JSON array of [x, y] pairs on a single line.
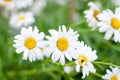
[[59, 39]]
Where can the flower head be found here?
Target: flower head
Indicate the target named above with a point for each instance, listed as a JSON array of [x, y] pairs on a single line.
[[116, 2], [112, 75], [110, 23], [91, 14], [22, 19], [8, 4], [30, 43], [23, 3], [62, 43], [84, 57], [38, 6]]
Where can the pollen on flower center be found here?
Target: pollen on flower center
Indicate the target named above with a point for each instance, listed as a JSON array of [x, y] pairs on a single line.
[[114, 77], [21, 18], [82, 59], [95, 13], [8, 0], [115, 23], [30, 43], [62, 44]]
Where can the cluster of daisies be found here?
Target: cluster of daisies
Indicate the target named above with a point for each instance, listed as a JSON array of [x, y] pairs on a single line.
[[106, 21], [60, 45], [21, 12]]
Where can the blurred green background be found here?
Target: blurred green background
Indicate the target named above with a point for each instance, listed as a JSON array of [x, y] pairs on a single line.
[[12, 67]]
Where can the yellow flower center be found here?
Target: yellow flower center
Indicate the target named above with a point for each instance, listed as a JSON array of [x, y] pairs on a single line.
[[62, 44], [82, 59], [114, 77], [30, 43], [96, 12], [21, 18], [115, 23], [8, 0]]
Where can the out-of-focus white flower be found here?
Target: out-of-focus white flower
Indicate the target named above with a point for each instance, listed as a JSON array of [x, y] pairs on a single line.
[[116, 2], [84, 57], [31, 42], [8, 4], [61, 2], [68, 69], [23, 3], [91, 14], [110, 23], [62, 43], [38, 6], [22, 19], [112, 75]]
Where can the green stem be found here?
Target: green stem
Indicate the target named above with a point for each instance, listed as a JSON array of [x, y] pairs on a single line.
[[77, 23], [96, 74], [105, 63], [29, 72]]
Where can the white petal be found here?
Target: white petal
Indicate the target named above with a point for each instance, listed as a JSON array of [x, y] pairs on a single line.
[[55, 57], [41, 35], [53, 32], [116, 36], [25, 54], [63, 29], [32, 56], [77, 68], [20, 49], [108, 35], [62, 59], [67, 55]]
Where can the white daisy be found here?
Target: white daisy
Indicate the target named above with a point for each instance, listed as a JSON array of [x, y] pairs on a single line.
[[110, 23], [91, 14], [8, 4], [68, 69], [23, 3], [61, 2], [62, 43], [38, 6], [84, 57], [116, 2], [31, 43], [22, 19], [112, 75]]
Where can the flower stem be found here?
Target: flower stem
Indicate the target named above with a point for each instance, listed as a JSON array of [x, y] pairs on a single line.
[[96, 74], [105, 63], [77, 23]]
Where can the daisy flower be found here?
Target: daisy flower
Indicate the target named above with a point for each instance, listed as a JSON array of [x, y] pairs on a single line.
[[21, 19], [116, 2], [112, 75], [110, 23], [62, 43], [8, 4], [31, 43], [84, 57], [91, 14], [23, 3], [61, 2], [38, 6]]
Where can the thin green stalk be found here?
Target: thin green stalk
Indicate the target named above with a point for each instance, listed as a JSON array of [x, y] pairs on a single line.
[[52, 75], [29, 72], [77, 23], [105, 63], [96, 74]]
